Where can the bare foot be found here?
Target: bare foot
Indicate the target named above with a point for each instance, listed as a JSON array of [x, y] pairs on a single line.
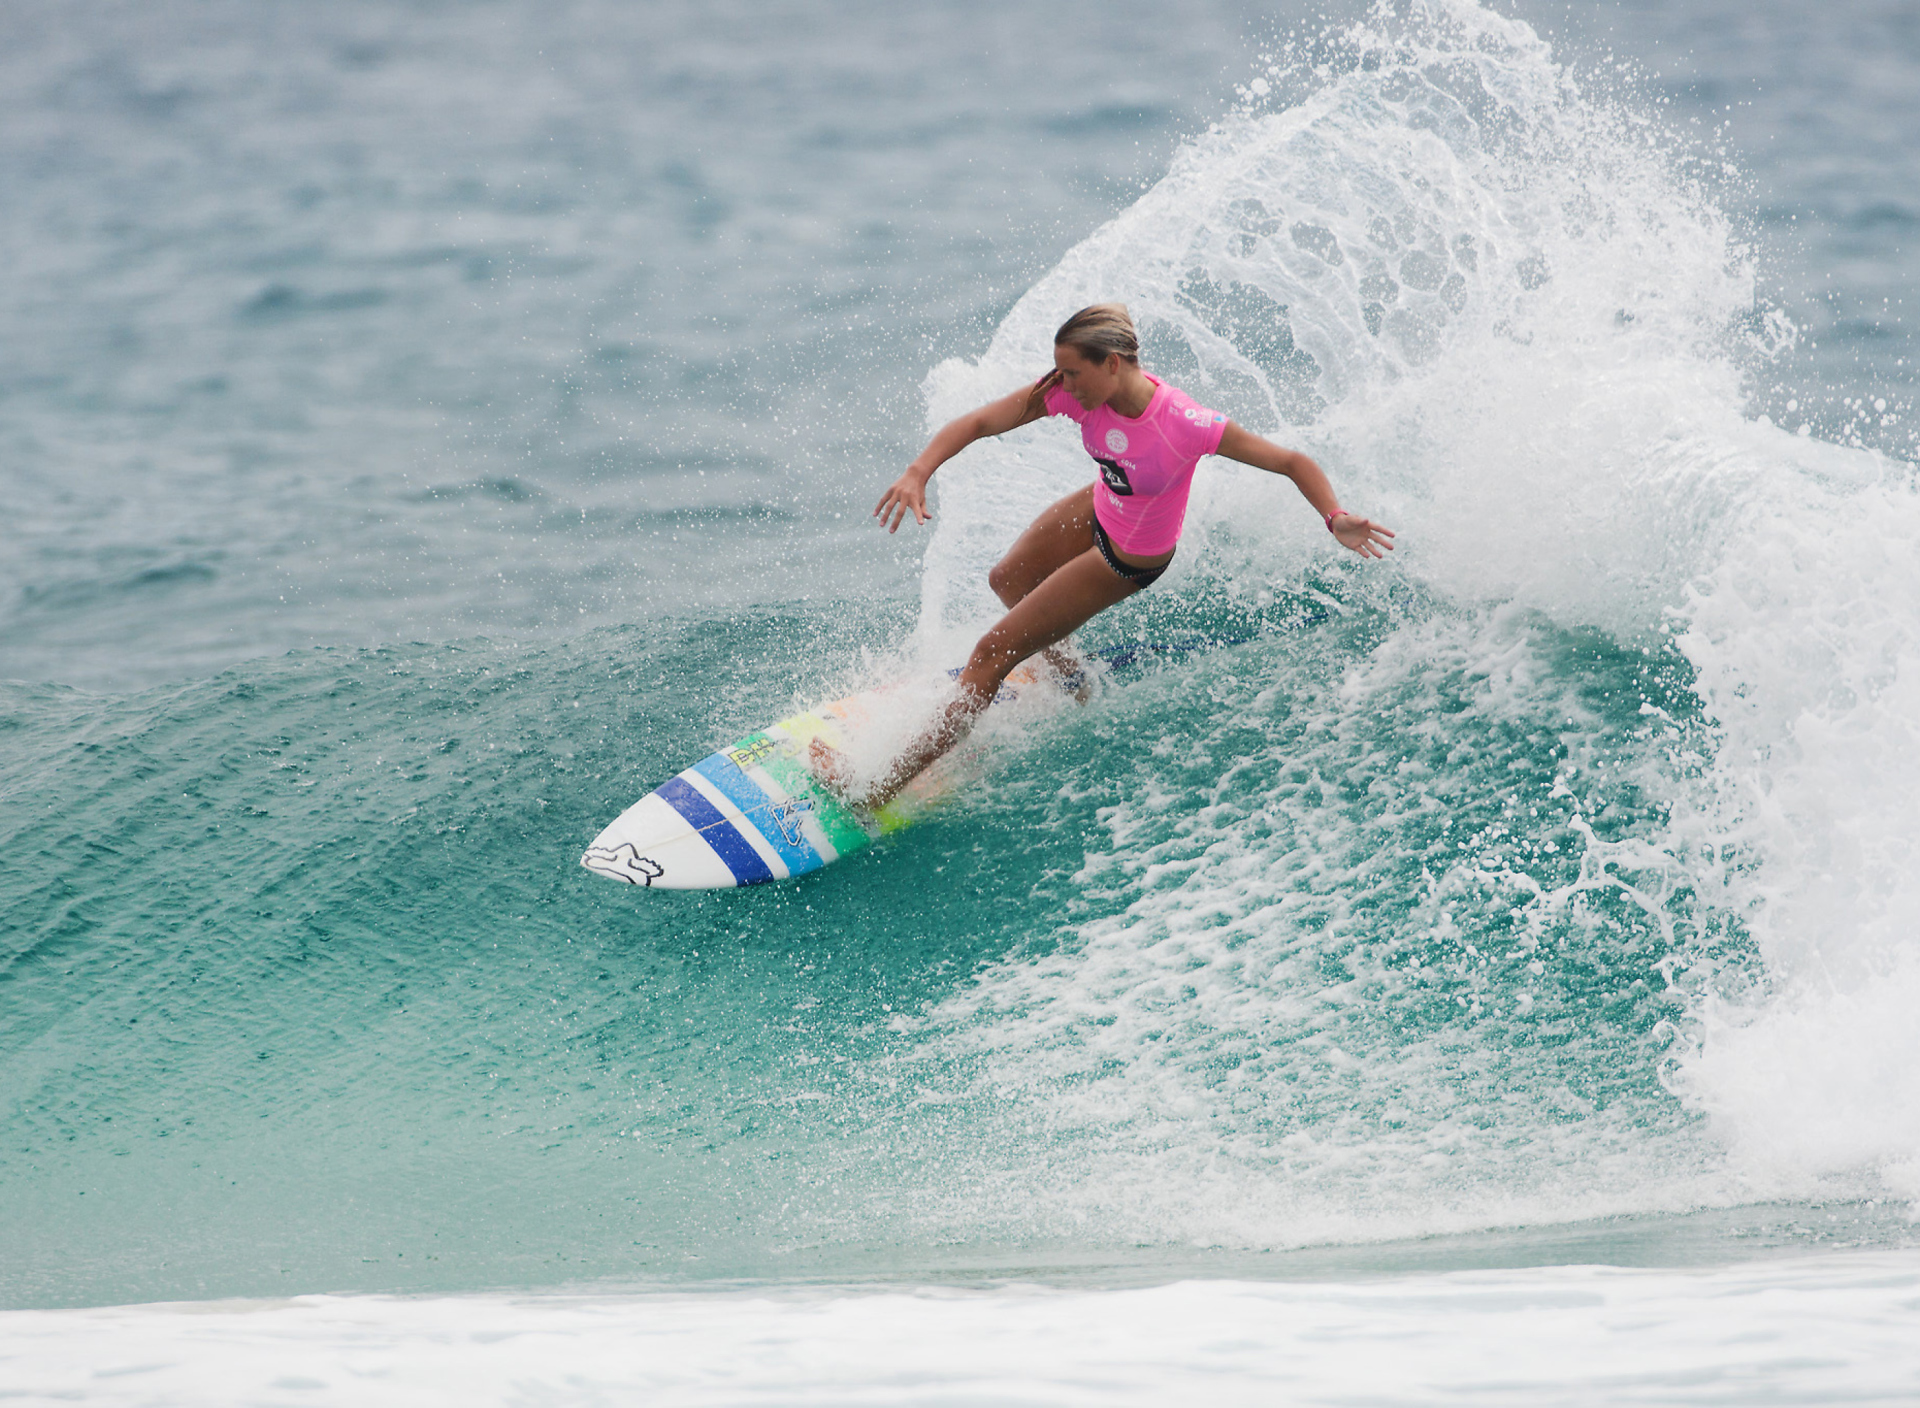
[[832, 771]]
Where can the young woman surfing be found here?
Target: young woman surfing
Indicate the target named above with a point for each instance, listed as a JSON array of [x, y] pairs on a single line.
[[1101, 544]]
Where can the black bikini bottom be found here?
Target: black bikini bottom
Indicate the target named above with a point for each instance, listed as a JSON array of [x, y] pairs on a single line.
[[1139, 576]]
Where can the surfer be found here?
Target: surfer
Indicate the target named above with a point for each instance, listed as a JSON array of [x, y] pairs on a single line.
[[1099, 545]]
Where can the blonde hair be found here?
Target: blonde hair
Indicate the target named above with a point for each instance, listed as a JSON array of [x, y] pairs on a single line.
[[1100, 331], [1096, 332]]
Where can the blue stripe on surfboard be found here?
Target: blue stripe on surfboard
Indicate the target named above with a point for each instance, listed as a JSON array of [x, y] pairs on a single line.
[[715, 830], [751, 798]]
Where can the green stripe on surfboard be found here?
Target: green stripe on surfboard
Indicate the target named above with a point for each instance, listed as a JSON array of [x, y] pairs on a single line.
[[844, 831]]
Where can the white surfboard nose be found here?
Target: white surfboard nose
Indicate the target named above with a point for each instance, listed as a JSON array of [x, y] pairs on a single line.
[[651, 844]]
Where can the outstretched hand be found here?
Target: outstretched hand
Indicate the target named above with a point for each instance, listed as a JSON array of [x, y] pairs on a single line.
[[909, 491], [1362, 535]]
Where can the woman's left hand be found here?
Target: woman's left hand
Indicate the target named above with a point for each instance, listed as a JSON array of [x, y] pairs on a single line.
[[1362, 535]]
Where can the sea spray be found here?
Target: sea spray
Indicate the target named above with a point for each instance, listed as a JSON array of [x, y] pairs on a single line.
[[1474, 293], [1471, 909], [1805, 635]]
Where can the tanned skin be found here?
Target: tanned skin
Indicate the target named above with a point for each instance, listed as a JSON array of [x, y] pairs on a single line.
[[1053, 579]]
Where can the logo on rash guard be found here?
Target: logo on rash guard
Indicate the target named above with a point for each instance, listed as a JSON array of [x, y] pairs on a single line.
[[1117, 442], [1113, 476]]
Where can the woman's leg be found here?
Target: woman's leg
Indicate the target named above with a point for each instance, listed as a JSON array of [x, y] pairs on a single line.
[[1061, 533], [1044, 615]]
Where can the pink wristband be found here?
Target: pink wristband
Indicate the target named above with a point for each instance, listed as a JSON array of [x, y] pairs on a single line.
[[1337, 513]]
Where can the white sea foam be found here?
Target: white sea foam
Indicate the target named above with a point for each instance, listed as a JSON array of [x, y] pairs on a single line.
[[1511, 325], [1818, 1331], [1806, 636]]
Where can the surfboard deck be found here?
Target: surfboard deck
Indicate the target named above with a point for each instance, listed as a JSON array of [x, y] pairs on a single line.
[[752, 812]]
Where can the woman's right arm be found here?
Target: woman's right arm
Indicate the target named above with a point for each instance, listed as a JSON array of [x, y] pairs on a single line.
[[909, 491]]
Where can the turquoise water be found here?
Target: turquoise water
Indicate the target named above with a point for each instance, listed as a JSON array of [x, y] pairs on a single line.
[[426, 433]]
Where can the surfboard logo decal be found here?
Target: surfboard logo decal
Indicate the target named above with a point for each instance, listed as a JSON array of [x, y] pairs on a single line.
[[761, 813], [843, 832], [623, 862], [745, 755], [787, 816], [733, 849]]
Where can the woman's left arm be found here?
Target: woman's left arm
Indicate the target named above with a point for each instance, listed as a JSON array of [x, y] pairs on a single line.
[[1362, 535]]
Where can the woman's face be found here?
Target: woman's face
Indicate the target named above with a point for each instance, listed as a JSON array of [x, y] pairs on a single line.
[[1090, 383]]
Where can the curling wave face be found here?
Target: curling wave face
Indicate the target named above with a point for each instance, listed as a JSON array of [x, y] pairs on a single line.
[[1574, 872]]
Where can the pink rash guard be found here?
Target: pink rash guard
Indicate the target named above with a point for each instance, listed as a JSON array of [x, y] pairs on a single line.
[[1146, 463]]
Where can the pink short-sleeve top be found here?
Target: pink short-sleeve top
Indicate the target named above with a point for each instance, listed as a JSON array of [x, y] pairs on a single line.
[[1146, 463]]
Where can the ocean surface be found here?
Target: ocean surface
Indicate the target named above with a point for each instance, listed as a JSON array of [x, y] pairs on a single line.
[[1486, 975]]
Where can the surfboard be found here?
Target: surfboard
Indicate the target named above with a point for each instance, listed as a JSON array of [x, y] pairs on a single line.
[[751, 812]]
